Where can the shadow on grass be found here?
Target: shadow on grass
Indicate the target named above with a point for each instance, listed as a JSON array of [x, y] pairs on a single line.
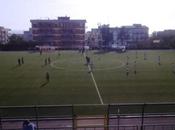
[[44, 65], [44, 84], [15, 67]]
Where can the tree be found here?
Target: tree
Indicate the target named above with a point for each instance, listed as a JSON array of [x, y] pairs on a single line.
[[166, 41], [15, 39], [16, 43]]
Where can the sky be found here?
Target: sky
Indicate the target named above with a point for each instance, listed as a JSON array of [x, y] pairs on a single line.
[[156, 14]]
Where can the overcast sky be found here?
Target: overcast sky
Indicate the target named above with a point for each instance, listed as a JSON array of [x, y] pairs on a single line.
[[156, 14]]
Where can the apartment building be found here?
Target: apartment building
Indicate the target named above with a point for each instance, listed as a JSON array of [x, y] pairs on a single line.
[[133, 34], [3, 35], [63, 32], [27, 35], [125, 35], [93, 38], [164, 33]]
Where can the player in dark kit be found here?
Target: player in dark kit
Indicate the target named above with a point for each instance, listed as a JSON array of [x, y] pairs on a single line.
[[47, 77], [159, 60], [19, 62], [135, 72], [49, 60], [87, 60], [40, 52], [127, 61], [127, 71], [145, 56], [22, 60], [27, 125], [83, 50]]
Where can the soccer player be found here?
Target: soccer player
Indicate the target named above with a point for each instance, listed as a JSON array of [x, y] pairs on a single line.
[[87, 60], [49, 60], [22, 60], [145, 56], [47, 77], [159, 60], [136, 55], [135, 72], [19, 62], [127, 61], [40, 52], [83, 50], [27, 125], [127, 71]]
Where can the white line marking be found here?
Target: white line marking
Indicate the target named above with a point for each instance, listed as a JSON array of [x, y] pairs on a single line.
[[101, 100], [98, 92]]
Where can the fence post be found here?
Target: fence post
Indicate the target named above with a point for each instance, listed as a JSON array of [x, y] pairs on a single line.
[[107, 118], [36, 116], [118, 117], [143, 113], [0, 118], [0, 123], [137, 127], [73, 119]]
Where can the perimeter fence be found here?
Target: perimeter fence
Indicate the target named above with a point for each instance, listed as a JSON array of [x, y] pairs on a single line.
[[151, 116]]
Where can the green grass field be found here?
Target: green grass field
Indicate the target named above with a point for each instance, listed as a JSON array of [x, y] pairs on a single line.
[[70, 82]]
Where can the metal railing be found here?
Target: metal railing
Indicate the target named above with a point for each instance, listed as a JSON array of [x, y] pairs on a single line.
[[152, 116], [145, 127]]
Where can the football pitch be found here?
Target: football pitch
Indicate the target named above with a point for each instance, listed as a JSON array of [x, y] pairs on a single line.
[[130, 77]]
